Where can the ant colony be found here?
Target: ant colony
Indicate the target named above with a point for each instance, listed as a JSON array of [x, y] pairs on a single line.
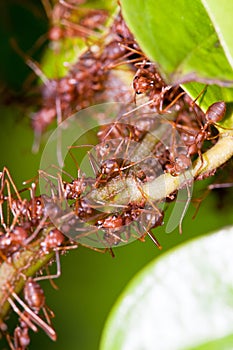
[[107, 186]]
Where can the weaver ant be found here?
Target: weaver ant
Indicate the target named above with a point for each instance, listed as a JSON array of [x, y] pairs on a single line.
[[29, 319], [194, 138], [175, 157], [73, 189], [28, 213], [21, 336], [15, 235], [147, 80], [29, 316], [112, 226], [34, 296], [120, 227], [70, 19], [152, 219], [11, 241], [109, 169]]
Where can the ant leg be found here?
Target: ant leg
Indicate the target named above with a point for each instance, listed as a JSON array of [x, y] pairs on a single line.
[[6, 171], [94, 164], [9, 341], [185, 208], [8, 182], [202, 93], [21, 314], [58, 273], [154, 240], [79, 146], [199, 201], [37, 230], [167, 88], [35, 318]]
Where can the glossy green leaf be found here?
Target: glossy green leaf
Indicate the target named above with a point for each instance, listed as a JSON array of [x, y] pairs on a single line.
[[212, 93], [182, 301], [221, 16], [181, 38]]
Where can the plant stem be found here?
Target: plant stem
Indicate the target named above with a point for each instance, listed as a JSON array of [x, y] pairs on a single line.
[[13, 272], [30, 260], [123, 192]]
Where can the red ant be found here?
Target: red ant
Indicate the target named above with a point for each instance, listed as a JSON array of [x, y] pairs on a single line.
[[152, 220], [122, 49], [177, 159], [117, 225], [53, 240], [73, 189], [34, 296], [26, 216], [118, 130], [30, 317], [214, 114], [27, 211], [63, 96], [144, 220], [69, 19], [125, 153], [13, 240], [15, 234], [21, 336], [178, 164], [112, 226], [148, 80], [109, 169], [195, 138]]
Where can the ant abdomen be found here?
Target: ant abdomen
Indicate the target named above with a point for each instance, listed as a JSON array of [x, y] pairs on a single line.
[[34, 295], [216, 112]]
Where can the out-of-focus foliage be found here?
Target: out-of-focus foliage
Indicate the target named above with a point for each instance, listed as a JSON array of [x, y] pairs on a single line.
[[181, 301]]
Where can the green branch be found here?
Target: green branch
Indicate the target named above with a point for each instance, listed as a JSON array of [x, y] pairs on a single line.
[[12, 272], [123, 192]]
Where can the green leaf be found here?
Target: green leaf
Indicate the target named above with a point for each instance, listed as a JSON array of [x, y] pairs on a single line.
[[181, 38], [60, 55], [57, 61], [182, 301], [221, 16], [212, 94]]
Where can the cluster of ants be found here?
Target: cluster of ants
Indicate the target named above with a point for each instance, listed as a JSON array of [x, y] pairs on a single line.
[[90, 79], [22, 225], [42, 221], [87, 80], [28, 225]]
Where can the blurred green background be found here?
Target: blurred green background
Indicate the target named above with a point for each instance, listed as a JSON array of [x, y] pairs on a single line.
[[90, 281]]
